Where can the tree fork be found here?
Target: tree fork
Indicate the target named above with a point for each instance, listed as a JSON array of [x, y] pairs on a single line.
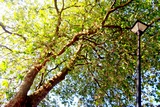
[[35, 98]]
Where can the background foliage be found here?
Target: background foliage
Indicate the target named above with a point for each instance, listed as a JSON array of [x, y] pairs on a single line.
[[105, 69]]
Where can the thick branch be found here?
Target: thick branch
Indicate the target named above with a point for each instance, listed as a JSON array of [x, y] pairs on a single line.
[[19, 99], [114, 9], [4, 28]]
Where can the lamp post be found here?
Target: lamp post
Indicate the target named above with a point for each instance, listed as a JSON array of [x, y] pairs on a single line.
[[139, 28]]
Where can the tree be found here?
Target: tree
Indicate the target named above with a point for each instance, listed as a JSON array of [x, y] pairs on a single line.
[[88, 42]]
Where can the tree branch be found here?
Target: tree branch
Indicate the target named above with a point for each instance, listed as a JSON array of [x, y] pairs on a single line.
[[58, 25], [74, 5], [59, 17], [113, 4], [76, 38], [6, 47], [112, 26], [154, 20], [4, 28], [114, 9], [62, 5], [96, 80], [54, 68], [56, 7]]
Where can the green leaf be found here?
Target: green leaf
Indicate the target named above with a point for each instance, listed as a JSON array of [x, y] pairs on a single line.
[[5, 83], [3, 66], [20, 76]]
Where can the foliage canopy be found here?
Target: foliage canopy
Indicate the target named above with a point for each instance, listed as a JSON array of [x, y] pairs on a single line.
[[87, 41]]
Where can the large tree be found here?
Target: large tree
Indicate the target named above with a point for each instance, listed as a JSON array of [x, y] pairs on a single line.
[[87, 44]]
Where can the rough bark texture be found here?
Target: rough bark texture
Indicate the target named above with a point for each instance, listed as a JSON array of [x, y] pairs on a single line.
[[34, 99], [20, 98]]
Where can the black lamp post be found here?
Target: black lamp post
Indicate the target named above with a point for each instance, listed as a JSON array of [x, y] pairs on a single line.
[[139, 28]]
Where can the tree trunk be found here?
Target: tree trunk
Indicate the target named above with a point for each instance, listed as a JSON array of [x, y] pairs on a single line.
[[22, 100]]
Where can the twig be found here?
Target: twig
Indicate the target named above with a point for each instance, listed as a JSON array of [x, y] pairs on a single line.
[[4, 28], [62, 5], [113, 4], [95, 79], [114, 9], [74, 5], [54, 68], [6, 47], [154, 20], [41, 81]]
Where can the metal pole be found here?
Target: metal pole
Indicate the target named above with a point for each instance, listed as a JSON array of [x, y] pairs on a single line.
[[139, 71]]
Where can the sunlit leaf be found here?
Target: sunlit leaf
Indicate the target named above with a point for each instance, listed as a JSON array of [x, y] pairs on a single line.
[[5, 83]]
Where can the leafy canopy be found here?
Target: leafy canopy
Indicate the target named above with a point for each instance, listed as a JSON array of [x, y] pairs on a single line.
[[104, 72]]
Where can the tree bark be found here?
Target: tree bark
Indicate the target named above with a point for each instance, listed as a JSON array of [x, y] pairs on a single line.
[[20, 98], [34, 99]]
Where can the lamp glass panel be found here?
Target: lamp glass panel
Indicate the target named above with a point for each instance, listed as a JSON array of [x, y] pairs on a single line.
[[135, 28], [141, 26]]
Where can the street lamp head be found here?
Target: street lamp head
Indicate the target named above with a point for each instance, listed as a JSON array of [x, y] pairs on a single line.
[[139, 27]]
